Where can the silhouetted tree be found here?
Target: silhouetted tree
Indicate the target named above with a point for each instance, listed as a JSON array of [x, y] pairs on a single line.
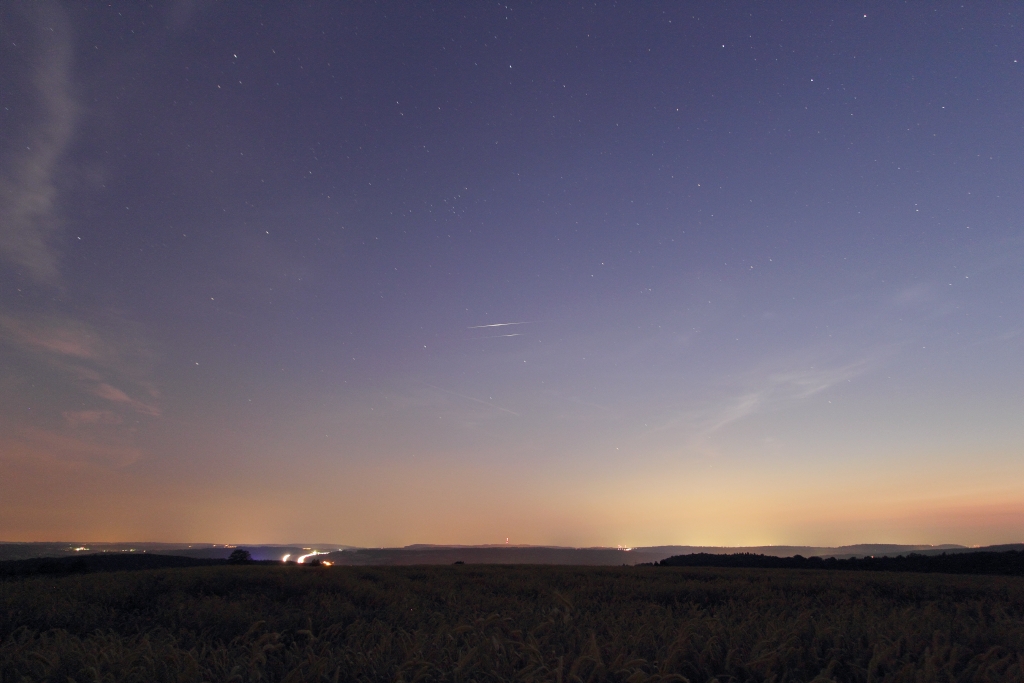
[[239, 556]]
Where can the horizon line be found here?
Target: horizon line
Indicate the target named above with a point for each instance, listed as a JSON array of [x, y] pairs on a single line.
[[413, 546]]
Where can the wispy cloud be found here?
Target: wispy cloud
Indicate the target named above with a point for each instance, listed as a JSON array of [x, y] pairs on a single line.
[[807, 382], [115, 395], [736, 408], [773, 389], [76, 418], [95, 361], [759, 391], [47, 446], [474, 400], [61, 336], [41, 59]]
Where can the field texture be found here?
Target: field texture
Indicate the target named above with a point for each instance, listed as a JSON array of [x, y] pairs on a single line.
[[473, 623]]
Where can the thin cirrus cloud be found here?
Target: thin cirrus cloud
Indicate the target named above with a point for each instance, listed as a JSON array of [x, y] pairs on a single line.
[[759, 392], [30, 219], [61, 450], [782, 387], [76, 418], [59, 336], [80, 353], [115, 395], [28, 191]]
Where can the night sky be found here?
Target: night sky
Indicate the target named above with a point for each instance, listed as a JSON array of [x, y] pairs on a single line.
[[578, 274]]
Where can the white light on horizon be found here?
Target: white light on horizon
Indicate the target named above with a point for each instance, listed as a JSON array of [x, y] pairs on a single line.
[[302, 558]]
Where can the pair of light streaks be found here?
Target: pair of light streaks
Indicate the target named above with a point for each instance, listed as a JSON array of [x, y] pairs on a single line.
[[498, 336]]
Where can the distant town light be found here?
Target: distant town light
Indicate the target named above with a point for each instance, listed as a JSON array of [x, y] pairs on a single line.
[[302, 558]]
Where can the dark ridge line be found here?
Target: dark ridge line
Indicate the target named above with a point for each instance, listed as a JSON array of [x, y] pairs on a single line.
[[1005, 563], [104, 562]]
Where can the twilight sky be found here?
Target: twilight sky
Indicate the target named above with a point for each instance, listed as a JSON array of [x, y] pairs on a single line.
[[624, 273]]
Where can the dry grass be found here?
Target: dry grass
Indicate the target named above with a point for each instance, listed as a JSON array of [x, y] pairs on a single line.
[[472, 623]]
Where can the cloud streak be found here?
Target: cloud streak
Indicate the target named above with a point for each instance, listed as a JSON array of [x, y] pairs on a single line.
[[76, 418], [61, 337], [43, 446], [778, 388], [101, 364], [28, 193], [76, 349], [115, 395], [475, 400], [759, 392]]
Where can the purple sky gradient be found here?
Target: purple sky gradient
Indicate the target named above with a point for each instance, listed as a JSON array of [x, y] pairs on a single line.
[[764, 261]]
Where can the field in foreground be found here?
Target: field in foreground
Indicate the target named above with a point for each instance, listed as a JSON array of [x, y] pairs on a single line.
[[491, 623]]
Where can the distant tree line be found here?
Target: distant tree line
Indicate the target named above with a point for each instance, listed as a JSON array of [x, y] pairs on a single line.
[[100, 562], [1010, 562]]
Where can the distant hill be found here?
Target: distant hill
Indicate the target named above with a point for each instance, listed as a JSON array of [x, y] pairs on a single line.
[[1003, 562], [506, 554], [25, 551], [473, 554], [842, 552], [1006, 562], [491, 555]]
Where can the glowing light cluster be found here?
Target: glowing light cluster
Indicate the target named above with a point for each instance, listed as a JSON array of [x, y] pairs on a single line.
[[302, 558]]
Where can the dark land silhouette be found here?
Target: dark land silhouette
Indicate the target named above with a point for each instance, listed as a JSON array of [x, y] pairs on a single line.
[[995, 560], [451, 624], [1006, 562]]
